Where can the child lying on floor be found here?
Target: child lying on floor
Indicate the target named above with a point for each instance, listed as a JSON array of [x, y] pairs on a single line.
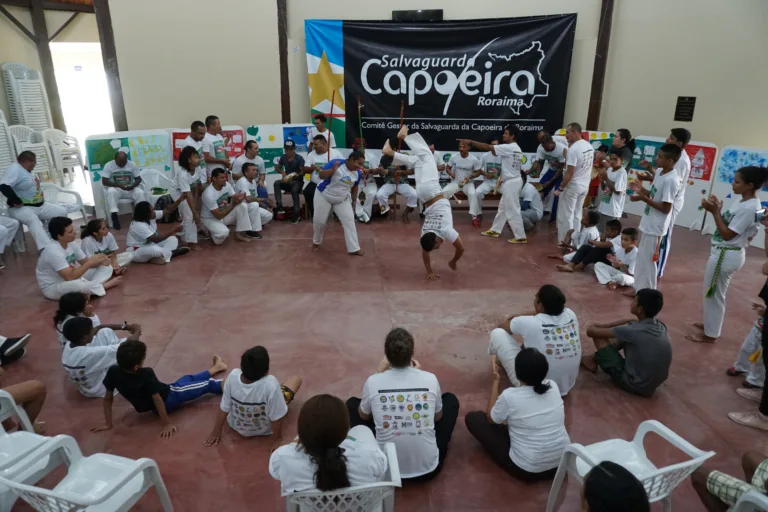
[[621, 270]]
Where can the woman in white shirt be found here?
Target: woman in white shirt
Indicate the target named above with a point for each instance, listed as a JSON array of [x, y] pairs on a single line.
[[71, 305], [143, 241], [95, 238], [529, 447], [327, 455], [335, 192], [188, 184], [735, 228]]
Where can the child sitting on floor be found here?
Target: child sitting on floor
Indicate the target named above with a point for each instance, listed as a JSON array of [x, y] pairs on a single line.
[[621, 270], [574, 241], [91, 351], [595, 251], [95, 238], [254, 402], [72, 305], [750, 360], [140, 386]]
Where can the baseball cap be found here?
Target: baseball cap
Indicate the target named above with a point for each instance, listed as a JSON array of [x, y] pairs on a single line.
[[289, 144]]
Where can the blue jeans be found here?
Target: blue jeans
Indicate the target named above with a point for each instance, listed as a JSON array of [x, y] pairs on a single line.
[[548, 190], [191, 387]]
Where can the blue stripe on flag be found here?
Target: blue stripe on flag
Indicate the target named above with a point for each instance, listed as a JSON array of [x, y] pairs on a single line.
[[325, 36]]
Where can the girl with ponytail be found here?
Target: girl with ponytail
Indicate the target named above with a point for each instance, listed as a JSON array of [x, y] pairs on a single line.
[[71, 305], [328, 455], [625, 144], [529, 447], [96, 239]]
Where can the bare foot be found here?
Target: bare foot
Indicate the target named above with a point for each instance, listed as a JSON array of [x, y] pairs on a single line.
[[403, 133], [629, 293], [240, 237], [194, 247], [40, 427], [555, 256], [564, 268], [406, 213], [387, 149], [357, 253], [579, 267], [315, 247], [589, 363], [700, 339], [612, 285], [115, 281], [157, 261], [218, 366], [699, 325]]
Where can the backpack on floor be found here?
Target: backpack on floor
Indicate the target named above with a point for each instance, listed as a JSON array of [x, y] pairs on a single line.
[[163, 203]]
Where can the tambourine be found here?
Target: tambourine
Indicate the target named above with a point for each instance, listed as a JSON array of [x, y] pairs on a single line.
[[289, 177]]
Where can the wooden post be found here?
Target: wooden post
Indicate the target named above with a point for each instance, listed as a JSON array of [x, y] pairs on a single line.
[[282, 48], [601, 63], [109, 56], [46, 63]]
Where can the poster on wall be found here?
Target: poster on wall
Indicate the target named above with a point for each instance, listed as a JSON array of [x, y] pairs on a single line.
[[596, 139], [271, 138], [456, 79], [147, 148]]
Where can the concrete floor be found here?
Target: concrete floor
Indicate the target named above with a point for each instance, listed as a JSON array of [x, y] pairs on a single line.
[[324, 316]]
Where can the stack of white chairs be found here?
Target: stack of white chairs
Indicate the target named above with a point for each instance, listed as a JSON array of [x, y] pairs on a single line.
[[27, 97], [26, 139], [66, 152], [97, 483], [7, 153]]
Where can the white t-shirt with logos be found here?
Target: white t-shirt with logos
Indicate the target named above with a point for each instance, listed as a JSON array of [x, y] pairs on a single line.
[[198, 145], [237, 164], [581, 155], [318, 161], [91, 246], [627, 257], [54, 258], [337, 188], [185, 182], [404, 402], [25, 184], [536, 423], [683, 169], [216, 200], [741, 219], [313, 132], [87, 365], [366, 464], [612, 203], [557, 337], [214, 146], [529, 193], [120, 175], [60, 327], [557, 155], [585, 235], [251, 188], [251, 408], [139, 232], [511, 160], [438, 219], [492, 165], [462, 167], [663, 190]]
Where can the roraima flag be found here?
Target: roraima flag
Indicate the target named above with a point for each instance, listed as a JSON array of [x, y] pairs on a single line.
[[454, 79]]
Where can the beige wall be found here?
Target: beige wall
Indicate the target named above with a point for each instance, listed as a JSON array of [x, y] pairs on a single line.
[[714, 50], [181, 60], [16, 47], [582, 62]]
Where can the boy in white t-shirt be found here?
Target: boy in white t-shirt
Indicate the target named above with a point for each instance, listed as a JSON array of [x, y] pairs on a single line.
[[614, 183], [531, 206], [657, 214], [222, 207], [595, 251], [463, 168], [621, 270], [553, 331], [249, 184], [575, 241], [403, 404], [90, 351], [253, 402], [214, 152]]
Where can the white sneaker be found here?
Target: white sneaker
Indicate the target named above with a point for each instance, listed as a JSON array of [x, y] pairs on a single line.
[[752, 419], [751, 394]]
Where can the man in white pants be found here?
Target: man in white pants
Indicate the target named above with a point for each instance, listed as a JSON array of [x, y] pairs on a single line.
[[121, 180], [248, 184], [490, 169], [223, 207], [463, 169], [511, 183], [438, 217], [25, 198], [400, 186], [314, 162], [63, 268], [680, 137], [338, 185], [372, 167], [8, 229], [531, 207], [573, 190]]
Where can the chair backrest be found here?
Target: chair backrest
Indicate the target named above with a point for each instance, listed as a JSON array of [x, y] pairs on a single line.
[[661, 483], [751, 501], [44, 502], [154, 178], [55, 137], [20, 135], [352, 499], [8, 408]]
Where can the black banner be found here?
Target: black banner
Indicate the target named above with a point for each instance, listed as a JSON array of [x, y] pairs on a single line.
[[457, 79]]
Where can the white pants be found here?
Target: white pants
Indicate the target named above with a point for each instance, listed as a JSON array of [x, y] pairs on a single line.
[[714, 307], [645, 267], [404, 189], [124, 258], [509, 209], [568, 257], [608, 273], [425, 171], [667, 243], [569, 209], [343, 211], [365, 210], [243, 217], [264, 214], [32, 217], [469, 191], [91, 282], [755, 371], [505, 348], [530, 218], [160, 250], [8, 229], [484, 189], [187, 219], [114, 194]]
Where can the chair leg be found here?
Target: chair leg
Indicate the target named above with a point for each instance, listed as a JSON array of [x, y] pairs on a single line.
[[667, 504], [162, 491], [389, 502], [557, 483]]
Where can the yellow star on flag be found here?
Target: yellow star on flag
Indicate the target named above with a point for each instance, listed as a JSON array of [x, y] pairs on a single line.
[[324, 82]]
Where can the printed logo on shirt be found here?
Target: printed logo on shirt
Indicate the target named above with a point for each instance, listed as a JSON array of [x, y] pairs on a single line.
[[248, 417], [492, 170], [727, 217], [223, 201], [71, 259], [647, 210], [218, 149], [563, 344], [77, 375], [123, 178], [606, 195]]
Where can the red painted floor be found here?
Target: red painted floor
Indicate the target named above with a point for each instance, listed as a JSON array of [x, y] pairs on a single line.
[[324, 315]]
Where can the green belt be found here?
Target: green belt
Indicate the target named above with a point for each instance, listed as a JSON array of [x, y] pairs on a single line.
[[716, 274]]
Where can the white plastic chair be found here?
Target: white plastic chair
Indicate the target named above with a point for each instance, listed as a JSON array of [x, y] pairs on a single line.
[[26, 139], [152, 178], [658, 482], [98, 483], [751, 502], [370, 497], [65, 150], [7, 152], [68, 198]]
